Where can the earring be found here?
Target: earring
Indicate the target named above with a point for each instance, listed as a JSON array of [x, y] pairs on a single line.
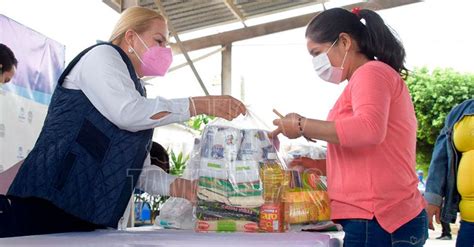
[[130, 50]]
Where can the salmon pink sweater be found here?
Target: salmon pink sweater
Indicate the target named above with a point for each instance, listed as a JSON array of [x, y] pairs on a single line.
[[371, 172]]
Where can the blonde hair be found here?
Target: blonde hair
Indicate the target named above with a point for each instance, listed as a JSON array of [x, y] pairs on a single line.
[[135, 18]]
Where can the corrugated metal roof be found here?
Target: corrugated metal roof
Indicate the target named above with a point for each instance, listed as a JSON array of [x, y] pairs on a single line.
[[256, 8], [186, 16]]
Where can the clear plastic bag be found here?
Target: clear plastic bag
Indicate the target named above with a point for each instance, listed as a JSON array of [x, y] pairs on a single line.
[[306, 199], [241, 179], [178, 213], [245, 186]]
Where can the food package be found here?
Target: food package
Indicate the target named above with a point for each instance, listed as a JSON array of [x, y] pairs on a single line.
[[241, 179], [306, 199], [226, 226], [245, 186]]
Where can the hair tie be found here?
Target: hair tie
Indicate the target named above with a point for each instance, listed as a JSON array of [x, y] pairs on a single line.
[[356, 11]]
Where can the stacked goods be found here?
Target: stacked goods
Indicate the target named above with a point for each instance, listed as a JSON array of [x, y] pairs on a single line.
[[245, 194], [306, 199], [220, 217], [230, 191], [218, 211], [243, 186]]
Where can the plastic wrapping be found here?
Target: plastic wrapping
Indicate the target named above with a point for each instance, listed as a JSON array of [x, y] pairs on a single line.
[[245, 186], [178, 213], [241, 179], [306, 199]]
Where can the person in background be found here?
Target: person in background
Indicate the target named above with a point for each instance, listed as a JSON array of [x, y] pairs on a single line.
[[8, 64], [371, 130], [446, 231], [420, 177], [450, 176], [446, 228], [93, 150], [421, 182], [159, 157]]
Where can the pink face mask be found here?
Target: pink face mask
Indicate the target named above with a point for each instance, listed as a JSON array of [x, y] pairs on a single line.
[[156, 60]]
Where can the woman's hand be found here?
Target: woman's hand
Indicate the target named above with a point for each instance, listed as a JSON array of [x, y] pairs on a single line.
[[224, 106], [294, 125], [288, 126], [184, 188]]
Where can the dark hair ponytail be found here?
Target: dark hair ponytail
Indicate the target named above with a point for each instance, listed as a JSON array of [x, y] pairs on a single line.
[[376, 40]]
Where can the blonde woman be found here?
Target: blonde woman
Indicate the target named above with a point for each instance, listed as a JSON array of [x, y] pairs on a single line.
[[93, 150]]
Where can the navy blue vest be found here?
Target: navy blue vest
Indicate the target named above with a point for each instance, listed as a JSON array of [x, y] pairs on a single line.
[[82, 162]]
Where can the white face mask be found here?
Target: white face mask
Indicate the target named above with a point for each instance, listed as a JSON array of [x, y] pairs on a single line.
[[325, 70]]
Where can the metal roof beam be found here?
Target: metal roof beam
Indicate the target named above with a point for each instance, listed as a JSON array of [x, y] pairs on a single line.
[[120, 5], [230, 4], [243, 33], [117, 6], [197, 59]]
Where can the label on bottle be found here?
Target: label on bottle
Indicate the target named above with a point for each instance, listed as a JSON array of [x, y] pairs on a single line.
[[271, 217]]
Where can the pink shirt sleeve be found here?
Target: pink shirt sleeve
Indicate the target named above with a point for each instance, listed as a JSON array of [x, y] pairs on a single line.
[[370, 97]]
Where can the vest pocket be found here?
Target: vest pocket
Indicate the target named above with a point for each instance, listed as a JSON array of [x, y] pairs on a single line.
[[93, 140], [63, 170]]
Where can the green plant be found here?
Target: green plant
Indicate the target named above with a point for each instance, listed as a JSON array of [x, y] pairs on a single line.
[[434, 93], [199, 122], [178, 163]]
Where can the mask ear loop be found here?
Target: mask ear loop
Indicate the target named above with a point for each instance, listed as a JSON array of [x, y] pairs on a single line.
[[333, 43], [343, 60], [345, 55], [143, 42], [131, 48]]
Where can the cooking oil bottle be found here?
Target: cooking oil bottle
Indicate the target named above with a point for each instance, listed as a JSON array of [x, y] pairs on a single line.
[[274, 180]]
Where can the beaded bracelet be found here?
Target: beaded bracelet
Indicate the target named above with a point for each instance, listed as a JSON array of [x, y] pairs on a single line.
[[300, 127]]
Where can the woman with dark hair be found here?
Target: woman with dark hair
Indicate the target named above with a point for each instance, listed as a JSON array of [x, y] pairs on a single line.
[[8, 64], [371, 130]]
